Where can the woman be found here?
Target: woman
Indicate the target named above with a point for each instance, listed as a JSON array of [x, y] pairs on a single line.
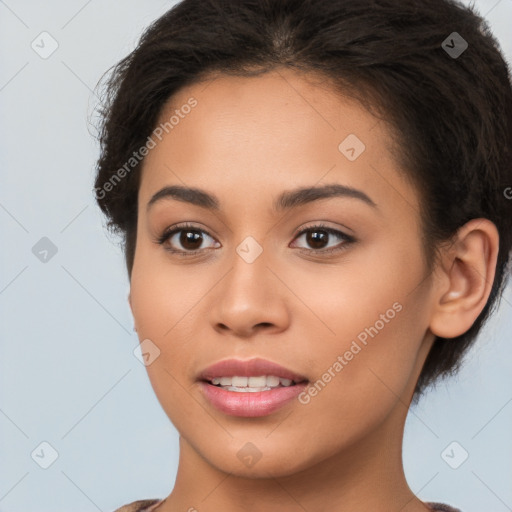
[[313, 200]]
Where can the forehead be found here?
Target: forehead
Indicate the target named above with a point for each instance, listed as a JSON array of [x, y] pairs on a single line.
[[267, 132]]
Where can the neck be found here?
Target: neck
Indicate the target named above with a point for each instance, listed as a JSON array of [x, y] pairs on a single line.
[[367, 476]]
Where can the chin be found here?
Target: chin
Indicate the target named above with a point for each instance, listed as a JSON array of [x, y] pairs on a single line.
[[271, 467], [260, 459]]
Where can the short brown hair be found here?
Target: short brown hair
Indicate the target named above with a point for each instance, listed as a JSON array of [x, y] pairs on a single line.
[[432, 67]]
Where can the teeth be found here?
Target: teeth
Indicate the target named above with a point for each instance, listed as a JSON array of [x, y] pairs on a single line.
[[241, 382], [251, 384], [272, 381], [257, 382]]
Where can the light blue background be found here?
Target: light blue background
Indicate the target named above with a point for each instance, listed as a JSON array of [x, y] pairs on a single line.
[[68, 373]]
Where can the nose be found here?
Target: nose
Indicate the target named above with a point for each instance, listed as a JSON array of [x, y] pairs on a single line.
[[249, 299]]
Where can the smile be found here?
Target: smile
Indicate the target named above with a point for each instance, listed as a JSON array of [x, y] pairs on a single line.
[[250, 388]]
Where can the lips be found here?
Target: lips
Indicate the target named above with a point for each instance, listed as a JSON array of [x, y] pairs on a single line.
[[255, 387]]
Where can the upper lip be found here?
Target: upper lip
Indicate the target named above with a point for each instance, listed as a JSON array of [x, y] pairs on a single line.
[[248, 368]]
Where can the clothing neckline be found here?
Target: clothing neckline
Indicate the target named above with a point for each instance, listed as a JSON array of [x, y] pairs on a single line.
[[433, 506]]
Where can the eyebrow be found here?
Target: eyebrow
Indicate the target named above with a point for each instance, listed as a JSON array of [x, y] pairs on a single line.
[[287, 200]]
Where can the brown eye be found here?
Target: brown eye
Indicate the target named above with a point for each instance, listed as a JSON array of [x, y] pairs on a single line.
[[190, 240], [185, 240], [318, 237]]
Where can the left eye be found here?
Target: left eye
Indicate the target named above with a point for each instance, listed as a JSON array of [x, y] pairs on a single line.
[[318, 236]]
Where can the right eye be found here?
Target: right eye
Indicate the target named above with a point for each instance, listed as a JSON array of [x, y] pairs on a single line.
[[188, 236]]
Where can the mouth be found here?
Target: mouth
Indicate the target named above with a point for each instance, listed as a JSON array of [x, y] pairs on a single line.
[[254, 387]]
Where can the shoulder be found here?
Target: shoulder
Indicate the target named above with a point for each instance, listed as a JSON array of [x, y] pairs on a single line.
[[138, 506], [441, 507]]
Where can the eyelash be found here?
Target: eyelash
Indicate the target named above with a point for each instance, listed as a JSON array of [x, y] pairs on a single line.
[[170, 232]]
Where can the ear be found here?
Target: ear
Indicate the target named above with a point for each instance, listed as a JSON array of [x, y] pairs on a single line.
[[464, 278]]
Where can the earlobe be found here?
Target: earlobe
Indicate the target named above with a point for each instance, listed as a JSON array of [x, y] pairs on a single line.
[[468, 270]]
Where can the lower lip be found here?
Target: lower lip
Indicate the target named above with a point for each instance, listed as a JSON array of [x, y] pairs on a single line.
[[250, 404]]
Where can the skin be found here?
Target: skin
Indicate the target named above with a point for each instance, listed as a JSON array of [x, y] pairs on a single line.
[[246, 141]]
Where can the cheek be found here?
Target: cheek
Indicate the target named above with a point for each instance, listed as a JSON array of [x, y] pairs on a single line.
[[372, 292], [157, 309], [372, 316], [161, 294], [360, 377], [165, 304]]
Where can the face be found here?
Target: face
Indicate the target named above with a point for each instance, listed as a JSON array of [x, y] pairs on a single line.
[[329, 284]]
